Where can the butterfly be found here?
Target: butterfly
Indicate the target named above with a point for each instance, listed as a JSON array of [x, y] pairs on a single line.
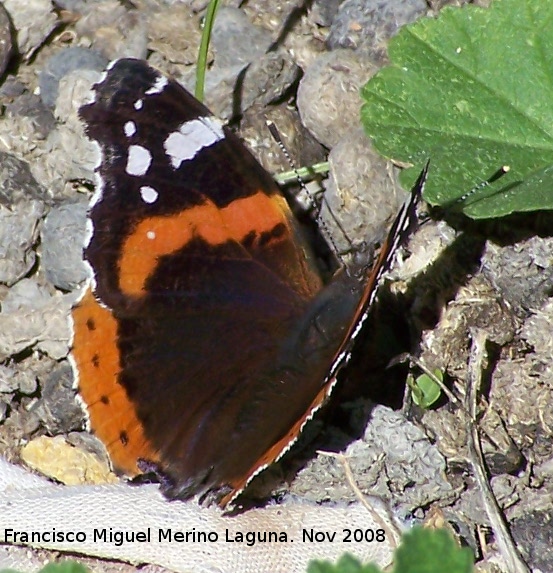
[[207, 337]]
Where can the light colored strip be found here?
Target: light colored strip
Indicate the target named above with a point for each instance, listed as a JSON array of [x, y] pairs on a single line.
[[158, 86], [191, 138], [32, 507]]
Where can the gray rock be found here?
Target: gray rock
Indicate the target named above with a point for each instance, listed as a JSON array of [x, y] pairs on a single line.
[[25, 294], [62, 245], [30, 105], [244, 73], [328, 96], [533, 533], [369, 24], [57, 408], [12, 88], [6, 45], [521, 272], [33, 20], [32, 318], [17, 380], [8, 381], [361, 193], [323, 12], [61, 64], [116, 30], [17, 184], [233, 90], [236, 40], [21, 207], [77, 6], [394, 460]]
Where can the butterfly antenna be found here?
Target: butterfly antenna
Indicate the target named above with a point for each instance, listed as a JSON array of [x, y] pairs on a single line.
[[503, 170], [401, 230], [277, 137]]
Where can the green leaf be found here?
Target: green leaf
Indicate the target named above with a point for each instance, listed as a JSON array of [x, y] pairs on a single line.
[[64, 567], [421, 551], [431, 551], [472, 91], [424, 389], [346, 564]]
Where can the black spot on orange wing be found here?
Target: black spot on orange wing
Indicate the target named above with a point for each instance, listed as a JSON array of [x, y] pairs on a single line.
[[110, 412]]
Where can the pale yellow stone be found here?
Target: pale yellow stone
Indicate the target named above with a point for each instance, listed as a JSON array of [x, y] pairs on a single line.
[[55, 458]]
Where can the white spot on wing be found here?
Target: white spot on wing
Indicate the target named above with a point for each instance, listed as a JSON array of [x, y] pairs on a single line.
[[138, 104], [89, 231], [130, 128], [148, 194], [151, 235], [138, 161], [191, 138], [158, 86]]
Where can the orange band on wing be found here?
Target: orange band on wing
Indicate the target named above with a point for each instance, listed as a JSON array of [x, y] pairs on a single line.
[[214, 225], [112, 415]]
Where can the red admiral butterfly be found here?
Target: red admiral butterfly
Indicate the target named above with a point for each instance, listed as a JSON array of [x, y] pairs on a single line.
[[207, 338]]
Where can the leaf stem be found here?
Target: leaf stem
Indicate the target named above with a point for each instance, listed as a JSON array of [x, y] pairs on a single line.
[[204, 47]]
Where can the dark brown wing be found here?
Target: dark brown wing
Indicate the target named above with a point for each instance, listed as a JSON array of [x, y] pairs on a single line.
[[209, 337]]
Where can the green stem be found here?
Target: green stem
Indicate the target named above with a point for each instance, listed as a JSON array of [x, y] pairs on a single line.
[[204, 47]]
